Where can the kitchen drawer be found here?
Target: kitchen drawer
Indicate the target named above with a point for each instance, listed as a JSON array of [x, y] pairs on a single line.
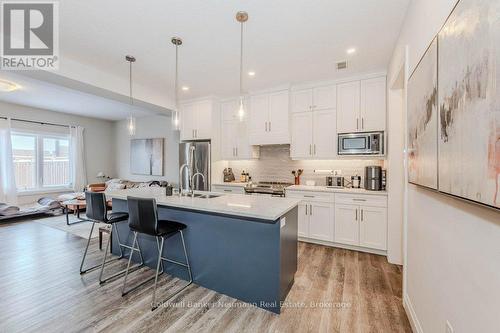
[[311, 196], [360, 199], [228, 189]]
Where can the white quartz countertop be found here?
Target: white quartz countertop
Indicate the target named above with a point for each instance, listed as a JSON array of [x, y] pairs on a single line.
[[241, 205], [334, 190]]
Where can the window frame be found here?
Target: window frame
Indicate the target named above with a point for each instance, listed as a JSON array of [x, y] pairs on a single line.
[[39, 160]]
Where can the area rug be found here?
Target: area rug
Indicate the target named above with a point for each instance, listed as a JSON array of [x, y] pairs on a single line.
[[77, 229]]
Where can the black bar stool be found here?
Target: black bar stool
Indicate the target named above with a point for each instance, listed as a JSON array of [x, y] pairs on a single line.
[[97, 212], [143, 218]]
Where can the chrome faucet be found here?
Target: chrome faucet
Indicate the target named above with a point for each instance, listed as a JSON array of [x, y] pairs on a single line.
[[192, 181], [185, 165]]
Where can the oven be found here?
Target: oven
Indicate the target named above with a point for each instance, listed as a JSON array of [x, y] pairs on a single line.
[[367, 143]]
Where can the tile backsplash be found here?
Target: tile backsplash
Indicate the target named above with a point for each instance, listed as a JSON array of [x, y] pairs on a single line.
[[275, 164]]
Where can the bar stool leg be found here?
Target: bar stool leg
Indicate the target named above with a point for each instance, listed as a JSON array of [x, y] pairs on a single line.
[[187, 259], [128, 264], [86, 249], [160, 251]]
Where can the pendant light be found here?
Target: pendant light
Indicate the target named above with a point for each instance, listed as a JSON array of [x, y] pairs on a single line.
[[175, 114], [241, 17], [131, 118]]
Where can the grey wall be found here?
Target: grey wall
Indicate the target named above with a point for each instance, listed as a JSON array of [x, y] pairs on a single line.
[[99, 142], [147, 127]]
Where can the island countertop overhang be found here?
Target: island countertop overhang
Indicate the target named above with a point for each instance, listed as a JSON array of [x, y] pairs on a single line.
[[264, 208]]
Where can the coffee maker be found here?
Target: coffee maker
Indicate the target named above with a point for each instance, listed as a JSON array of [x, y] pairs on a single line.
[[375, 178]]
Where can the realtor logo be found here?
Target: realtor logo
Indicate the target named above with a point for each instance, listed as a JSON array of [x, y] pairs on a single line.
[[29, 35]]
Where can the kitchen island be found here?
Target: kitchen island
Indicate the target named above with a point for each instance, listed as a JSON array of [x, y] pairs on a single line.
[[239, 245]]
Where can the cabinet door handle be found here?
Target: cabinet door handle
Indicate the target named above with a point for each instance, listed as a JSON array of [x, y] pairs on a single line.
[[314, 145], [236, 149], [306, 209], [362, 123], [266, 125], [308, 196], [269, 126], [311, 209], [228, 190], [357, 123], [358, 199], [356, 214], [361, 215], [310, 149]]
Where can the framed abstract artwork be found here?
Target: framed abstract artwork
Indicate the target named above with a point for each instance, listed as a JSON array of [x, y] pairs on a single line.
[[469, 102], [146, 157], [423, 121]]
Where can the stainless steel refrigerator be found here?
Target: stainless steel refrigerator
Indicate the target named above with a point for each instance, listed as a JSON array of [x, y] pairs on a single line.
[[197, 156]]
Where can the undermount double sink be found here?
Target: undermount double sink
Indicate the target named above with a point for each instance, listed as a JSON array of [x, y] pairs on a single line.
[[206, 196]]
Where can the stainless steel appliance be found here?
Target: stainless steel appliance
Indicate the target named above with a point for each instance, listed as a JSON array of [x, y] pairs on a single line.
[[194, 158], [373, 178], [275, 189], [356, 181], [335, 181], [367, 143]]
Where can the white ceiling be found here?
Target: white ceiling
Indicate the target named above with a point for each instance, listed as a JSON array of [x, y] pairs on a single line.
[[44, 95], [286, 41]]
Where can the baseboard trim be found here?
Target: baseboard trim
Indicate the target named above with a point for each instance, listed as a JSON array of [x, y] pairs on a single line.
[[412, 316], [343, 246]]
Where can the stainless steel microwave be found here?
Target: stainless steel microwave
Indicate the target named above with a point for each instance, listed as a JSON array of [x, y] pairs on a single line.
[[367, 143]]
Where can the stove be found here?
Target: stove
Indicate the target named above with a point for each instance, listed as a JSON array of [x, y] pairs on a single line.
[[275, 189]]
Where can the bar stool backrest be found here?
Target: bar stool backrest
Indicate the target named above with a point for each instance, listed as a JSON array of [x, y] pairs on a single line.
[[96, 206], [143, 216]]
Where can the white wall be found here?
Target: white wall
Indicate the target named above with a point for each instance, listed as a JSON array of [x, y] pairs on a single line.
[[453, 248], [147, 127], [99, 143]]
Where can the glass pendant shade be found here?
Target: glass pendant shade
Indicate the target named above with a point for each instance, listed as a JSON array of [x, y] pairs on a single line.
[[175, 120], [131, 125], [241, 110]]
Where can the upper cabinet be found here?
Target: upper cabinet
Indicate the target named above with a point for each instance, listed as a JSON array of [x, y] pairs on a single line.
[[313, 123], [361, 105], [319, 98], [268, 119], [196, 120], [234, 134]]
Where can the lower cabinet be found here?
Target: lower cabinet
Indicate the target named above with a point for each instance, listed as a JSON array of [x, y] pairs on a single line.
[[361, 225], [228, 189]]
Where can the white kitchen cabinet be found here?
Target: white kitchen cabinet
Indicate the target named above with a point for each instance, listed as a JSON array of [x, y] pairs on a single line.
[[302, 135], [373, 227], [234, 135], [313, 135], [348, 106], [361, 105], [361, 221], [228, 189], [196, 120], [346, 224], [315, 215], [373, 104], [268, 119], [313, 99], [321, 220]]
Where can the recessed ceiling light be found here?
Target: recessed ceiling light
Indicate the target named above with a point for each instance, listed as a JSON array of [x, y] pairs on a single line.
[[8, 86], [185, 88], [251, 73], [352, 50]]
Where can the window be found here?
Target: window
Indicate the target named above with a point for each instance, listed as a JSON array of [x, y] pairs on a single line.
[[41, 161]]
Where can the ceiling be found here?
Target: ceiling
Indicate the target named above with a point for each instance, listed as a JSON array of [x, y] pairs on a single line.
[[286, 41], [83, 101]]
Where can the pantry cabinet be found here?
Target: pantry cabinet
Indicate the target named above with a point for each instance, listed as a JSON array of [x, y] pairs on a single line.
[[196, 120], [234, 134], [361, 105], [268, 119]]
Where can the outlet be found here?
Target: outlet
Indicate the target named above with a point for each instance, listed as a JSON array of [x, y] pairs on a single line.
[[337, 172], [449, 328]]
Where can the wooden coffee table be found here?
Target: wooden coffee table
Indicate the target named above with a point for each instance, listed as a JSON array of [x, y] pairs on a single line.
[[74, 205]]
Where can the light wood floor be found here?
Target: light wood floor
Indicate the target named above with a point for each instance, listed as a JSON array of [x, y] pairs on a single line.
[[41, 290]]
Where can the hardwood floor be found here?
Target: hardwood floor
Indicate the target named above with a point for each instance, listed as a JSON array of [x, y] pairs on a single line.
[[41, 290]]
